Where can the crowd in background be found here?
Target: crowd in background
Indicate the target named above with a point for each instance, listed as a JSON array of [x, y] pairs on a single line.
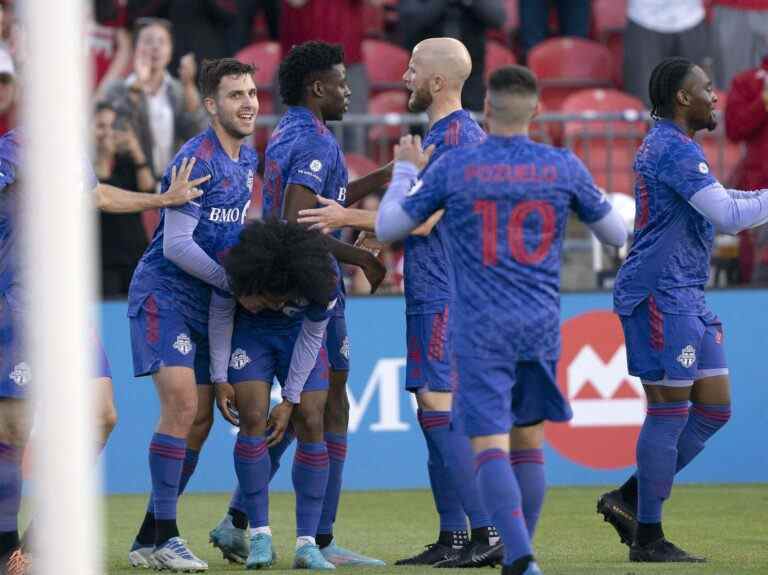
[[145, 55]]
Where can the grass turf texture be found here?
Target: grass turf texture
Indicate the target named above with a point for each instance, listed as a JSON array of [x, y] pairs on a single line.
[[727, 524]]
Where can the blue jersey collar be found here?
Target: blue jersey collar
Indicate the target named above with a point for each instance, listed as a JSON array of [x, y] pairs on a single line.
[[444, 121]]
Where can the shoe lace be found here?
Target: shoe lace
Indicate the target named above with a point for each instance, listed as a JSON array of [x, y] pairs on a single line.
[[18, 563]]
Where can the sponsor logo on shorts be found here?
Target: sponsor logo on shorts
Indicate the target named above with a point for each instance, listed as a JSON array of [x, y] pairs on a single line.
[[316, 165], [239, 359], [344, 350], [182, 344], [687, 357], [21, 374], [608, 404]]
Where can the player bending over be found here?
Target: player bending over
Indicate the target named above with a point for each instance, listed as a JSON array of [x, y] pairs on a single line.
[[285, 282], [674, 341], [506, 203]]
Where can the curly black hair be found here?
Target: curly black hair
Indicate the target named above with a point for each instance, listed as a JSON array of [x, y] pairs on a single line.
[[212, 71], [302, 66], [279, 258], [666, 79]]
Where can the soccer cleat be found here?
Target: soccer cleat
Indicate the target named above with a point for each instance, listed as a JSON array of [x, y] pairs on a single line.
[[433, 553], [231, 541], [661, 551], [620, 514], [141, 556], [532, 569], [15, 562], [340, 556], [475, 554], [262, 554], [309, 557], [174, 555]]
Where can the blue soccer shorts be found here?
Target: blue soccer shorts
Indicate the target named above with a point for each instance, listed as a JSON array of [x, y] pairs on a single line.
[[428, 366], [493, 395], [163, 338], [337, 343], [263, 354], [673, 350]]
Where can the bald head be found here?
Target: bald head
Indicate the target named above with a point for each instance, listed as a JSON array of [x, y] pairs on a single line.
[[446, 57]]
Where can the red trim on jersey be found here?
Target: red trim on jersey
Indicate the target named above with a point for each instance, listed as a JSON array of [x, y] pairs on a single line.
[[657, 325], [205, 150], [153, 320], [642, 204]]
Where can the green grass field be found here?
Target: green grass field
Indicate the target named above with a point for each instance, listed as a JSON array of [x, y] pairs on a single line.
[[728, 524]]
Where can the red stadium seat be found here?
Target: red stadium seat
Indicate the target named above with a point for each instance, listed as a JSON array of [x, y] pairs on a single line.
[[265, 57], [149, 220], [567, 65], [722, 154], [607, 148], [497, 56], [359, 166], [382, 137], [385, 63]]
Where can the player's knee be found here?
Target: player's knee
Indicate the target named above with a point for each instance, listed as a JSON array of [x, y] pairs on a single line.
[[311, 422], [181, 414], [253, 421], [14, 423], [337, 411], [527, 437], [109, 418], [200, 428]]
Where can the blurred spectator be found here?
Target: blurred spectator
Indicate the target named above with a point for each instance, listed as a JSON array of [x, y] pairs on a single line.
[[746, 120], [572, 18], [163, 111], [465, 20], [201, 27], [658, 29], [248, 11], [119, 160], [740, 34], [109, 42], [7, 91]]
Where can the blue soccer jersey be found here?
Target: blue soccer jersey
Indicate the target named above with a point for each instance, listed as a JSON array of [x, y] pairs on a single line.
[[303, 151], [221, 213], [427, 267], [669, 258], [506, 203], [9, 161]]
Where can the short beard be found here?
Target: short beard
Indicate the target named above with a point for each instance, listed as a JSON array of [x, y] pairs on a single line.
[[233, 131], [419, 101]]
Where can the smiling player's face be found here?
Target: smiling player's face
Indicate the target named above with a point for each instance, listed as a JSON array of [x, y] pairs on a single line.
[[336, 93], [237, 105], [701, 109]]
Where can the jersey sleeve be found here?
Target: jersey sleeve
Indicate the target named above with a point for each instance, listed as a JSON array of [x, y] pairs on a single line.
[[311, 164], [684, 169], [589, 203], [429, 192], [201, 168]]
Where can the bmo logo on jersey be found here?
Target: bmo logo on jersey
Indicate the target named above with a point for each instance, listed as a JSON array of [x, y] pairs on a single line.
[[229, 215], [608, 404]]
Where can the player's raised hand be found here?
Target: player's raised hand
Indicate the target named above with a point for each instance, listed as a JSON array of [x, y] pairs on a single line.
[[277, 422], [188, 69], [182, 189], [325, 219], [409, 150], [225, 401]]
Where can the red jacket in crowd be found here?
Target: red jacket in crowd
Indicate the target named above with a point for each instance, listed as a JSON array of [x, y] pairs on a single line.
[[332, 21]]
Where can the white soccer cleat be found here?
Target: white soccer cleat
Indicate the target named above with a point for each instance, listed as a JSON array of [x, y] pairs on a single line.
[[140, 556], [174, 555]]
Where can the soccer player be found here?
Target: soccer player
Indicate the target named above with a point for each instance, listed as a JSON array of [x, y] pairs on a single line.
[[170, 294], [285, 282], [303, 160], [506, 202], [435, 76], [15, 371], [674, 341]]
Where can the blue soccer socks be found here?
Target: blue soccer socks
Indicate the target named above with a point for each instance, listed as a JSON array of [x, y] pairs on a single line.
[[310, 479], [501, 496], [336, 445], [253, 468], [528, 465], [657, 457]]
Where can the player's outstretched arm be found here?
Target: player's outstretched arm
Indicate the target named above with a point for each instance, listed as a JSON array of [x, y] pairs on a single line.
[[298, 198], [333, 216], [610, 229], [371, 183], [731, 211], [182, 190]]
